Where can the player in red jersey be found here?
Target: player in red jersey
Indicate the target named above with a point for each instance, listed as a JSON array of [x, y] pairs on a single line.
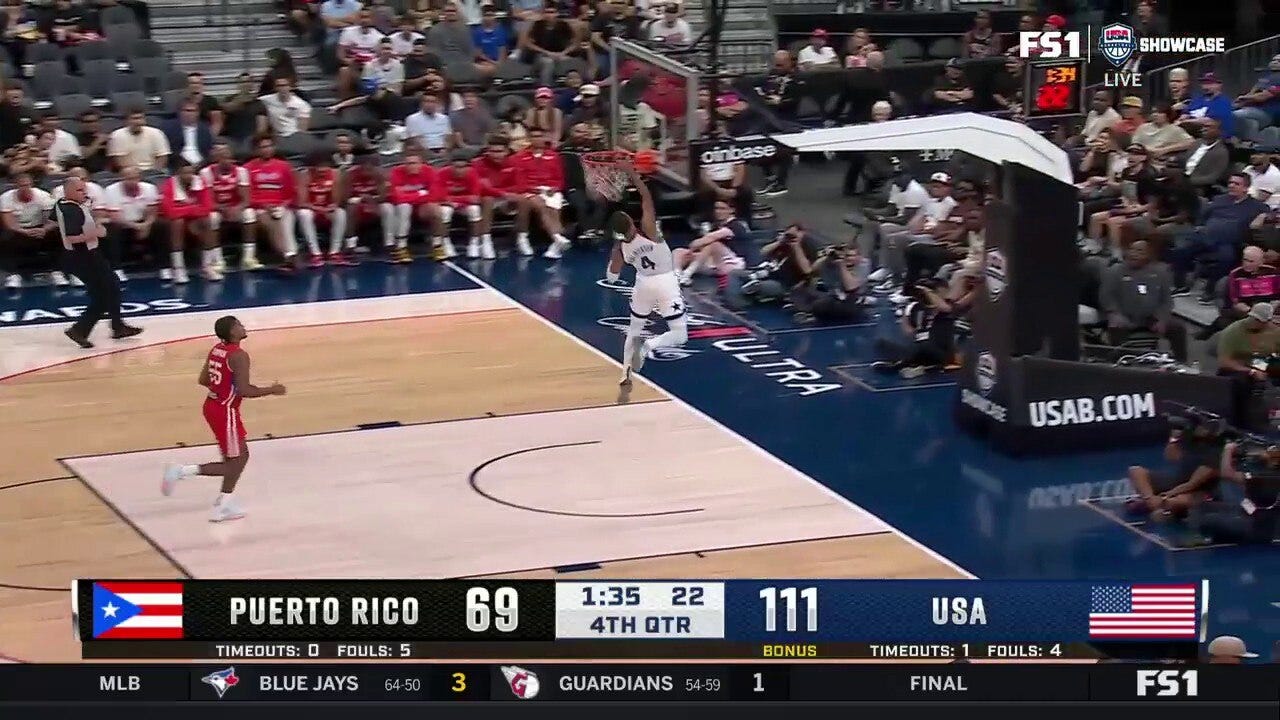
[[460, 186], [499, 193], [540, 177], [321, 196], [272, 195], [412, 187], [228, 185], [226, 374], [185, 203], [367, 201]]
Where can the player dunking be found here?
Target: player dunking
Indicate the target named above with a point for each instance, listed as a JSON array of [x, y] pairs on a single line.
[[226, 374], [656, 288]]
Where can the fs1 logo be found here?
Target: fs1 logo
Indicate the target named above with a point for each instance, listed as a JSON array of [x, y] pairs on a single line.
[[1168, 683], [1050, 45]]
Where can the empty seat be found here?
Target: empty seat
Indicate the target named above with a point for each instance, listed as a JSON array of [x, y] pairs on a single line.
[[299, 144], [173, 80], [944, 48], [171, 99], [121, 39], [127, 82], [46, 79], [571, 63], [126, 102], [146, 48], [152, 67], [513, 71], [95, 50], [45, 52], [71, 106], [117, 15], [905, 49], [462, 72]]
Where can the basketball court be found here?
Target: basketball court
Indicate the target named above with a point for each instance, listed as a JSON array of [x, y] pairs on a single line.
[[433, 435]]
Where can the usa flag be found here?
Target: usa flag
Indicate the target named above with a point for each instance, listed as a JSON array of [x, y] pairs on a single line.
[[1119, 612], [137, 610]]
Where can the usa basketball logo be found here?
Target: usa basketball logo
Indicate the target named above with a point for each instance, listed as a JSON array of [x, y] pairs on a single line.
[[1117, 43], [994, 274], [985, 372], [524, 683]]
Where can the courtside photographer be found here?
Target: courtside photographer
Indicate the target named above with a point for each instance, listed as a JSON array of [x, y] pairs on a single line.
[[788, 261], [1253, 513], [835, 291], [1194, 452], [927, 330]]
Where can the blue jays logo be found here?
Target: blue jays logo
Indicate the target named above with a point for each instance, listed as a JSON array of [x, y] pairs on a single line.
[[222, 680], [1117, 43]]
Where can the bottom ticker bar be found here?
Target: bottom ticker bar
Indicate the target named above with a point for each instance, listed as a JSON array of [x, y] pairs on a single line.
[[405, 682]]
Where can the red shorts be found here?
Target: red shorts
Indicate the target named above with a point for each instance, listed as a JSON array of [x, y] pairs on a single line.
[[227, 427]]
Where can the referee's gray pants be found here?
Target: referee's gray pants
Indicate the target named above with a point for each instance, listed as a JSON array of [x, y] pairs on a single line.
[[99, 282]]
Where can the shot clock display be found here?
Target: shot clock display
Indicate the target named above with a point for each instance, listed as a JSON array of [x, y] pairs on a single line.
[[1054, 89]]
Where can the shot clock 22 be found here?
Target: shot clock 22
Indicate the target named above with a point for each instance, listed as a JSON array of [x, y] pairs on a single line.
[[1054, 89]]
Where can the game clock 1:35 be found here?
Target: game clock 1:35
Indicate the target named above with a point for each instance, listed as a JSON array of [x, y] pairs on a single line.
[[1054, 89]]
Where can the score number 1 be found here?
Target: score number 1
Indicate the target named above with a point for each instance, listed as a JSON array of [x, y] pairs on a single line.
[[792, 598]]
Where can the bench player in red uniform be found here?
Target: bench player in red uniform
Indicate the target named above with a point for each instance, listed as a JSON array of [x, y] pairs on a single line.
[[499, 193], [540, 174], [367, 202], [272, 195], [321, 197], [460, 190], [185, 204], [413, 191], [228, 185], [226, 374]]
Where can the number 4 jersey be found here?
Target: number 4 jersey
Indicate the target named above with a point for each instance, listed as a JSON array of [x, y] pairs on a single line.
[[648, 257]]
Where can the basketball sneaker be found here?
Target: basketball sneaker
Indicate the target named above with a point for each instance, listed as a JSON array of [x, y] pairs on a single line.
[[76, 281], [486, 248], [58, 279], [626, 375], [180, 276], [437, 251], [251, 264], [172, 474], [226, 510], [557, 248], [166, 274], [317, 261], [473, 248], [211, 273], [13, 282], [401, 256], [449, 251], [522, 245]]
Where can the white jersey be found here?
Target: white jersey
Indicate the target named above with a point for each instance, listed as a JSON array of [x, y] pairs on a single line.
[[648, 257]]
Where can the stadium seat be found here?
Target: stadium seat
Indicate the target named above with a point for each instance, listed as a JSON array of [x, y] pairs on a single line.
[[46, 79], [98, 77], [462, 72], [508, 102], [297, 145], [117, 15], [71, 85], [146, 48], [905, 49], [126, 82], [173, 80], [72, 105], [44, 53], [570, 63], [171, 99], [151, 67], [511, 71], [1269, 135], [124, 102], [120, 39], [944, 48], [95, 50]]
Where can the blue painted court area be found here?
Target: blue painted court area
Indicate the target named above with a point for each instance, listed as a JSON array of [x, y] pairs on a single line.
[[806, 397]]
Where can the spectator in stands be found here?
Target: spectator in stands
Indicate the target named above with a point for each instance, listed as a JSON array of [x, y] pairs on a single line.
[[430, 127], [69, 25], [779, 89], [1209, 158], [28, 232], [185, 203], [512, 129], [547, 41], [717, 251], [64, 150], [451, 38], [788, 261], [896, 238], [1130, 116], [590, 110], [138, 144], [856, 48], [1100, 167], [673, 29], [381, 84], [1009, 84], [1179, 90], [1160, 136], [1261, 103], [1266, 233], [1264, 176], [286, 112], [189, 136], [92, 142], [817, 53], [906, 197], [209, 107], [1216, 238], [613, 19], [540, 174], [1209, 105], [491, 37], [16, 119], [279, 65], [1054, 22], [947, 243], [1250, 283], [545, 115], [473, 123], [21, 29], [1136, 188], [724, 181], [272, 193], [980, 41], [421, 67], [241, 109], [132, 206], [357, 45], [1253, 337], [337, 16], [1101, 117], [402, 41], [1137, 296], [952, 91]]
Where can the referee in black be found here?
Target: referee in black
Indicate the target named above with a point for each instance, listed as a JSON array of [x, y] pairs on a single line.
[[80, 236]]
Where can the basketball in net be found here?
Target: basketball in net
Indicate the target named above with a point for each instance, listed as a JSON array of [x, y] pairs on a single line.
[[608, 171]]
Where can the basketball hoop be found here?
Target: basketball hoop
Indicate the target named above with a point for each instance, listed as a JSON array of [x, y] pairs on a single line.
[[607, 171]]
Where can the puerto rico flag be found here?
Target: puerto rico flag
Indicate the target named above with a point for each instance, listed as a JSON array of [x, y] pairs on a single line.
[[137, 610]]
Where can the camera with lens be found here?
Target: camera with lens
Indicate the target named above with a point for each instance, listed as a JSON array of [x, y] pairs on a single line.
[[1189, 419]]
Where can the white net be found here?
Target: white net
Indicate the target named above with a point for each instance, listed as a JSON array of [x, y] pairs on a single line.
[[605, 173]]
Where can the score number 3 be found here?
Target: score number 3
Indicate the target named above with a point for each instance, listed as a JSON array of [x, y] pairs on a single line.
[[791, 598]]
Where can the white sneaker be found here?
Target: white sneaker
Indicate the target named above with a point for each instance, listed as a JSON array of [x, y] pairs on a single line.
[[227, 510], [899, 299], [166, 274], [251, 264], [879, 276], [172, 474], [180, 276], [449, 251], [523, 247], [76, 281], [473, 248], [220, 263], [211, 273], [685, 278], [122, 277], [13, 282], [557, 248], [626, 375], [486, 249], [58, 279]]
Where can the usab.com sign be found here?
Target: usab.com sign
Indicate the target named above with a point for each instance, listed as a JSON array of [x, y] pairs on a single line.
[[995, 274]]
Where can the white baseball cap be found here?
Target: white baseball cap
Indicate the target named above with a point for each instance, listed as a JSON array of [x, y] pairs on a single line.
[[1229, 646], [940, 177]]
